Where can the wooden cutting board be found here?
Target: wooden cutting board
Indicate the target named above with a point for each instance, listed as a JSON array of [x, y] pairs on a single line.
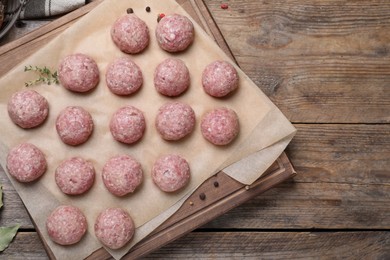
[[215, 196]]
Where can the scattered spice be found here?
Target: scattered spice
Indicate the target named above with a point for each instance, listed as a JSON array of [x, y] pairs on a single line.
[[130, 10], [216, 184], [44, 76], [247, 187], [224, 6], [202, 196], [147, 9], [160, 16], [191, 203]]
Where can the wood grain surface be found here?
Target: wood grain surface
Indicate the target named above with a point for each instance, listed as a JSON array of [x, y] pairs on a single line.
[[326, 64], [252, 245], [319, 61]]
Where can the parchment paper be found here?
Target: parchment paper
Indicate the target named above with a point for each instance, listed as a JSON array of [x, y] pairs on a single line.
[[264, 131]]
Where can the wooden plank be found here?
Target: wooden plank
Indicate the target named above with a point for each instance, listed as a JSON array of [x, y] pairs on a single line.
[[253, 245], [312, 205], [320, 62], [280, 245], [342, 153]]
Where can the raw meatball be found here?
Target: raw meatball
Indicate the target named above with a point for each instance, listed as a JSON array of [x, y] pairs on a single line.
[[171, 173], [122, 175], [78, 72], [175, 120], [123, 76], [219, 78], [171, 77], [74, 125], [75, 176], [220, 126], [26, 163], [130, 34], [175, 33], [66, 225], [27, 108], [114, 228], [127, 125]]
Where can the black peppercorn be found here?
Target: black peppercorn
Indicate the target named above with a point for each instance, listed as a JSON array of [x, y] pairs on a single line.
[[216, 184], [148, 9], [129, 10], [20, 24], [202, 196]]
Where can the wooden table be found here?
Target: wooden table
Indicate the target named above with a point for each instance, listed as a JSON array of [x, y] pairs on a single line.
[[326, 65]]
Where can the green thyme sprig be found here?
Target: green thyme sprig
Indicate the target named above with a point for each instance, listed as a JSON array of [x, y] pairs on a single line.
[[44, 76]]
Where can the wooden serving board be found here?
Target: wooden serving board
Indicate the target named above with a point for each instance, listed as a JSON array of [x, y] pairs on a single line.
[[220, 193]]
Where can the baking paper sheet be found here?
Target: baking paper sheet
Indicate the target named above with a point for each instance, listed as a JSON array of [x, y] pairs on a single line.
[[264, 131]]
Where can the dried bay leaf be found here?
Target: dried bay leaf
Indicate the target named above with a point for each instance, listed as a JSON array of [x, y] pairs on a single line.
[[6, 233], [6, 236]]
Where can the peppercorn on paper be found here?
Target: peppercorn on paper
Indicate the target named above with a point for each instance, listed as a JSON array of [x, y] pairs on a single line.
[[264, 130]]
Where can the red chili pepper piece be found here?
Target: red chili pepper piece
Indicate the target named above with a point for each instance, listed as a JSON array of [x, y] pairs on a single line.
[[224, 6], [160, 16]]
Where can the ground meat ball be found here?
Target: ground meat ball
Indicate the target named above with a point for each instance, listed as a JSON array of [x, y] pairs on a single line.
[[171, 173], [127, 125], [26, 163], [171, 77], [114, 228], [123, 76], [130, 34], [27, 108], [78, 72], [219, 79], [175, 33], [220, 126], [122, 174], [66, 225], [175, 120], [74, 125], [75, 176]]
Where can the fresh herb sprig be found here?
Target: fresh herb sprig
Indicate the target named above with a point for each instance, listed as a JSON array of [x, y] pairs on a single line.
[[44, 75]]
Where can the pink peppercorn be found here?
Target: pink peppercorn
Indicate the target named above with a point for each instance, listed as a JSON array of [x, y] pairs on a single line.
[[160, 16]]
